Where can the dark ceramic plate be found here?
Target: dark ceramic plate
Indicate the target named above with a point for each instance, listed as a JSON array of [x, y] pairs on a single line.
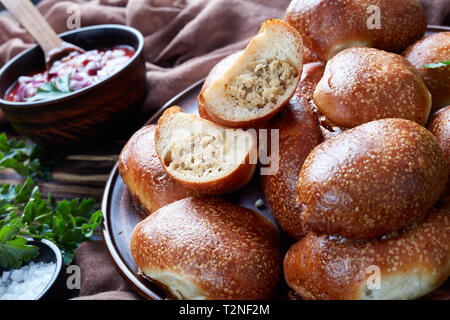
[[121, 215]]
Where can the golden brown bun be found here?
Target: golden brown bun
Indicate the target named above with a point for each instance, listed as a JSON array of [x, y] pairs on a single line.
[[206, 248], [202, 156], [312, 73], [439, 126], [298, 135], [249, 88], [364, 84], [371, 180], [142, 172], [412, 263], [309, 56], [328, 27], [432, 49]]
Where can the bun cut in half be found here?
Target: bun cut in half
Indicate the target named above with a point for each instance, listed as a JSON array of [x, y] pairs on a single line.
[[371, 180], [298, 135], [203, 156], [404, 265], [144, 175], [364, 84], [259, 81], [205, 248], [328, 27], [430, 50]]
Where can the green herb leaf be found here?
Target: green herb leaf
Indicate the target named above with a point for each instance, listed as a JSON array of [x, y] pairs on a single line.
[[438, 64], [14, 249], [51, 90], [23, 158], [23, 212]]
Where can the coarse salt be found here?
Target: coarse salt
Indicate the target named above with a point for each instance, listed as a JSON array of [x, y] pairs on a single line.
[[27, 282]]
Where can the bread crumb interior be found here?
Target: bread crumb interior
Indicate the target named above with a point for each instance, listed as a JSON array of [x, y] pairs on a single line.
[[261, 84], [197, 154]]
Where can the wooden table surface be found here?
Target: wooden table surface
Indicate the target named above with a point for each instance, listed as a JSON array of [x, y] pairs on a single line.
[[80, 175]]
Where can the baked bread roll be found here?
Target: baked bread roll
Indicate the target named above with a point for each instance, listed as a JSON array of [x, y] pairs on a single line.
[[206, 248], [439, 126], [309, 56], [261, 80], [432, 49], [371, 180], [298, 135], [410, 264], [364, 84], [203, 156], [145, 177], [216, 72], [328, 27]]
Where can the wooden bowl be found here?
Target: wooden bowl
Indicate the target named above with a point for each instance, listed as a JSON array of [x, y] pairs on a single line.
[[83, 117]]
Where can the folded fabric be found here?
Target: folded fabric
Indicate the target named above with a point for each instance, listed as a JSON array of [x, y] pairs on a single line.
[[184, 39]]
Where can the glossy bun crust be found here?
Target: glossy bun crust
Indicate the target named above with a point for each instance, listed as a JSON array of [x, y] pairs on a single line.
[[145, 177], [298, 135], [432, 49], [364, 84], [371, 180], [206, 248], [411, 263], [329, 26], [439, 126]]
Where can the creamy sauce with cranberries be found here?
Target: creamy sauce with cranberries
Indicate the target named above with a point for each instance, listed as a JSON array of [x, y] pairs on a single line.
[[82, 70]]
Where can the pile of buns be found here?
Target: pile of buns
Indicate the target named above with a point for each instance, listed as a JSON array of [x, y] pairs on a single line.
[[361, 185]]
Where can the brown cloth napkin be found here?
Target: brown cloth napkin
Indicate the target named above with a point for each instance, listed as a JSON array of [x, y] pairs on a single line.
[[183, 40]]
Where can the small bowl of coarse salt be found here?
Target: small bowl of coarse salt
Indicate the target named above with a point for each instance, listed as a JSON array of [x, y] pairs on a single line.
[[34, 279]]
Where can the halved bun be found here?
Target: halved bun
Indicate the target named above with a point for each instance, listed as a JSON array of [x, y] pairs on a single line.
[[328, 27], [260, 81], [432, 49], [201, 248], [215, 74], [298, 135], [364, 84], [202, 155], [145, 177], [439, 126], [371, 180], [410, 264]]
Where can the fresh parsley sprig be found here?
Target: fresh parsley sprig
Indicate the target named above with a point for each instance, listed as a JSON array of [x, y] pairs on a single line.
[[51, 90], [23, 158], [435, 65], [24, 213]]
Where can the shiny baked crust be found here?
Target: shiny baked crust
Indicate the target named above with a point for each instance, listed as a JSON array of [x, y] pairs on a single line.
[[328, 27], [364, 84], [143, 174], [439, 126], [298, 135], [432, 49], [206, 248], [371, 180], [411, 263]]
